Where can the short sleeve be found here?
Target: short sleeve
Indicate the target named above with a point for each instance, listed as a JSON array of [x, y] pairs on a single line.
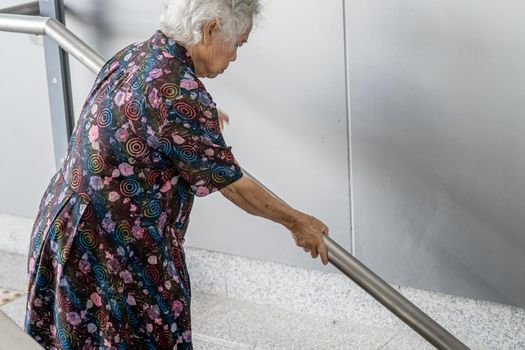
[[191, 138]]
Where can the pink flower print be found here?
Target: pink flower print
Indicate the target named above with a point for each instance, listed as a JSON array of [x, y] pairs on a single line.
[[94, 109], [207, 113], [113, 196], [37, 302], [108, 225], [176, 307], [84, 266], [95, 298], [131, 300], [202, 191], [96, 183], [126, 276], [73, 318], [152, 260], [115, 173], [120, 98], [121, 135], [154, 99], [166, 187], [210, 152], [113, 266], [91, 328], [137, 231], [179, 140], [93, 134], [167, 284], [187, 335], [188, 84], [153, 312], [155, 73], [125, 169], [167, 55]]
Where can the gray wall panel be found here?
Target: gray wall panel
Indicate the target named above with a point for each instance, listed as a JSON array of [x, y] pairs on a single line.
[[438, 155], [286, 98]]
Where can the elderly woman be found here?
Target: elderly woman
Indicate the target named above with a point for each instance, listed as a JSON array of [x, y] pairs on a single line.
[[106, 263]]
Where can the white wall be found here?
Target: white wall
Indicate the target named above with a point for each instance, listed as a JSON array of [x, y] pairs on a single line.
[[26, 144], [437, 96]]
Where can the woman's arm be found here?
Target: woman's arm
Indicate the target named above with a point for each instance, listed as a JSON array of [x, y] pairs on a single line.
[[306, 230]]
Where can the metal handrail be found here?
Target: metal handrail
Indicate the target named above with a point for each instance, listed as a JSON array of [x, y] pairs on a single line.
[[337, 255]]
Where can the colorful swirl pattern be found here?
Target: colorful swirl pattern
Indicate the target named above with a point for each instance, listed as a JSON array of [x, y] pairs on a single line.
[[101, 319], [220, 174], [64, 254], [88, 240], [151, 275], [187, 153], [137, 84], [44, 276], [76, 178], [170, 90], [212, 127], [129, 187], [124, 232], [152, 209], [104, 117], [136, 147], [165, 145], [95, 163], [153, 176], [165, 339], [64, 337], [185, 110], [133, 110], [101, 273], [115, 307], [58, 229]]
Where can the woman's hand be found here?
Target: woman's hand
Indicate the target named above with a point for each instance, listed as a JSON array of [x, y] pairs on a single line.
[[308, 233], [223, 118]]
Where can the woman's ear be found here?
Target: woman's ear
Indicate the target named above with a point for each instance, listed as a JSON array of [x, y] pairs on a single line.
[[209, 30]]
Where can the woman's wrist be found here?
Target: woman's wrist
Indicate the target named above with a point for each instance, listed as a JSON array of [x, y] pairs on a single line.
[[293, 219]]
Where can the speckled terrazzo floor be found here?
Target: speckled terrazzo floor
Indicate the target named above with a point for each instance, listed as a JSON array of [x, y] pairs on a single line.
[[243, 303], [224, 323]]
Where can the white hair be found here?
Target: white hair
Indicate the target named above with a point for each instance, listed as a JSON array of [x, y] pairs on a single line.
[[183, 20]]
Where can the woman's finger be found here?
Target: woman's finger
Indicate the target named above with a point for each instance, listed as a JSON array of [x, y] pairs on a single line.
[[321, 248]]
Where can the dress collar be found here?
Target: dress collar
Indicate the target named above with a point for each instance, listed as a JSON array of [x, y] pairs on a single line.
[[171, 48]]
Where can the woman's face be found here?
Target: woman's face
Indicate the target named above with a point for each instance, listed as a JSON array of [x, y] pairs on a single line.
[[213, 54]]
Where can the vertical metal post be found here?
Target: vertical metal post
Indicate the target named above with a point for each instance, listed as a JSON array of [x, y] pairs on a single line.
[[59, 84]]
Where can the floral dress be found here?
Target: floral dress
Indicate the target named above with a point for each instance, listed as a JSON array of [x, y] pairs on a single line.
[[106, 262]]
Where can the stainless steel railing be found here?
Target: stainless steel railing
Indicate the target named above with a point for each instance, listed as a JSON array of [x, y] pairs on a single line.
[[339, 257]]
